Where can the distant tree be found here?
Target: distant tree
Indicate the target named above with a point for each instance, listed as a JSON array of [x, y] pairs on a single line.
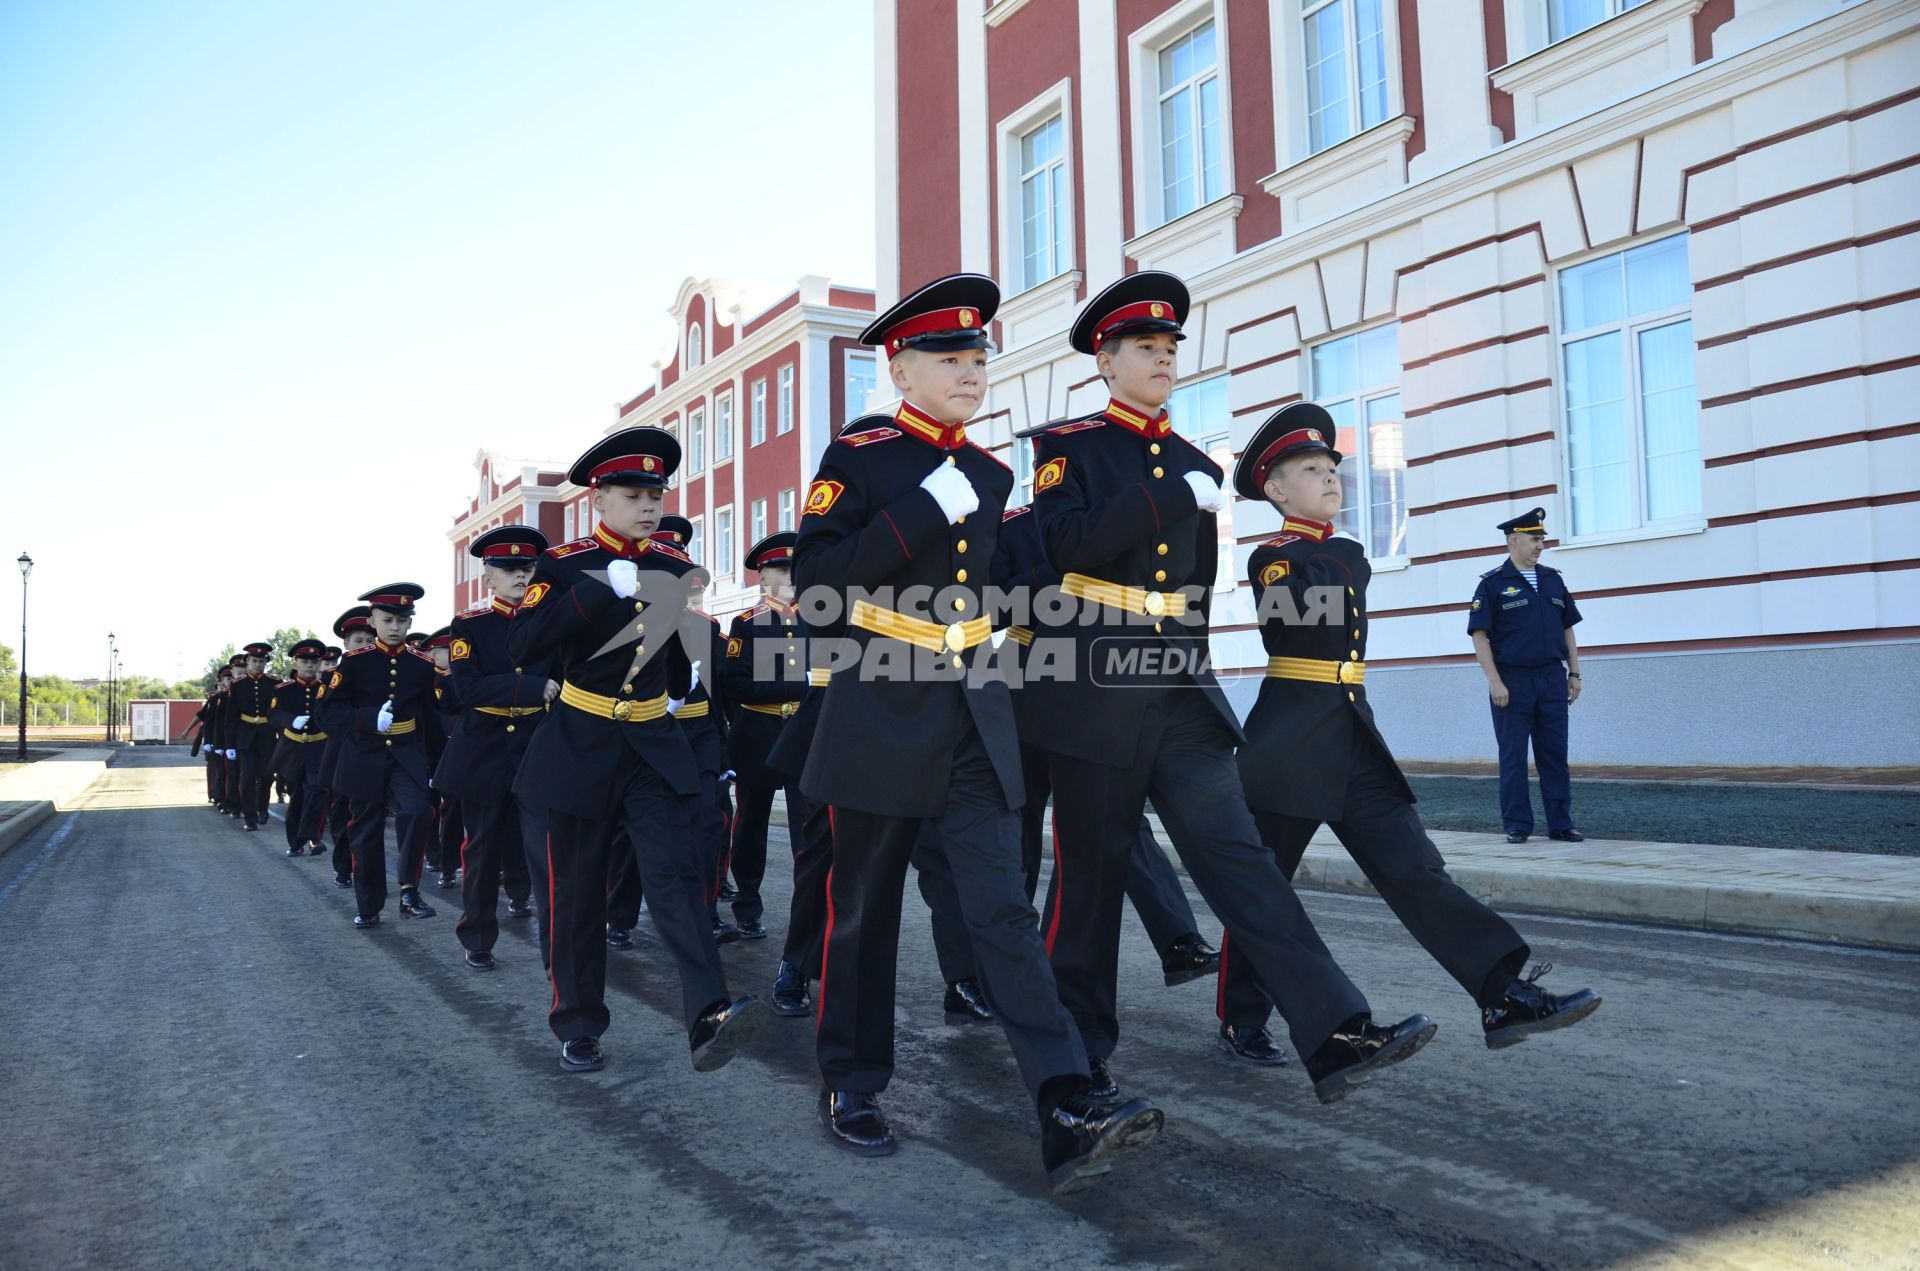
[[283, 639], [214, 663], [8, 667]]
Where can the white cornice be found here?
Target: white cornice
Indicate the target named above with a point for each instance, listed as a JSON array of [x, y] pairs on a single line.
[[718, 371], [501, 502], [1001, 10]]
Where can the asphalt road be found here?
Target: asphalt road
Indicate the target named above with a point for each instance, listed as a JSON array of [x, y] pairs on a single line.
[[204, 1065]]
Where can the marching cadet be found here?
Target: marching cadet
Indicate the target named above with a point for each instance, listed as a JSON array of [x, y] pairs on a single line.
[[503, 703], [354, 629], [705, 718], [1314, 753], [250, 733], [329, 660], [765, 676], [1521, 623], [1127, 707], [231, 802], [378, 698], [212, 718], [611, 757], [295, 705], [922, 730], [446, 831]]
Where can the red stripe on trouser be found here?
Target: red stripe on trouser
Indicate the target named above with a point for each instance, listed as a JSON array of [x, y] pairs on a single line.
[[826, 941], [1220, 991], [547, 932], [1059, 881]]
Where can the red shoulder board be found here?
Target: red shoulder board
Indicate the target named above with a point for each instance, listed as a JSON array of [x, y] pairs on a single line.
[[475, 612], [1078, 425], [568, 549], [354, 653], [668, 550], [870, 435], [756, 611], [989, 454], [1281, 541], [1010, 513], [425, 657]]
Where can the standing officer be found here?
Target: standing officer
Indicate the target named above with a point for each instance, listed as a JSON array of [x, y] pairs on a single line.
[[503, 703], [1521, 624], [1314, 753], [295, 705], [609, 609], [922, 731], [250, 733], [1128, 708], [354, 629], [765, 674], [378, 698]]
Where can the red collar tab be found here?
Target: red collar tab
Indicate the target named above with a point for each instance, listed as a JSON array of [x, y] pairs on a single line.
[[525, 551], [502, 607], [391, 650], [1292, 441], [962, 319], [1129, 418], [617, 545], [627, 463], [1142, 311], [944, 436], [779, 607], [1315, 530]]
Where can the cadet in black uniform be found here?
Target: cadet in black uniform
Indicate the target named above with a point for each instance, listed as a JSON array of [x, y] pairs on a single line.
[[355, 629], [230, 801], [609, 608], [212, 717], [705, 717], [503, 703], [1126, 508], [1521, 623], [250, 733], [922, 730], [1314, 754], [447, 833], [378, 698], [296, 704], [765, 674]]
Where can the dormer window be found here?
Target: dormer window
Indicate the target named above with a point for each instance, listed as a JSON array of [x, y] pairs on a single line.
[[696, 346]]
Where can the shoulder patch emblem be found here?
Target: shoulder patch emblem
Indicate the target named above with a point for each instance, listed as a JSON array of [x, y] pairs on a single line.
[[568, 549], [1051, 474], [1510, 590], [733, 646], [336, 681], [868, 436], [460, 651], [1274, 573], [1476, 604], [822, 495], [535, 594]]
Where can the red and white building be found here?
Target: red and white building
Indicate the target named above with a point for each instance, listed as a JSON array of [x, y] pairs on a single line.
[[753, 391], [1652, 264]]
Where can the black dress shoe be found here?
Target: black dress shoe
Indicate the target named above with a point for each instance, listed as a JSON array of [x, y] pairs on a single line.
[[411, 906], [1100, 1082], [480, 960], [1567, 835], [751, 929], [297, 849], [727, 890], [724, 932], [250, 827], [582, 1054], [1080, 1139], [1256, 1046], [1359, 1048], [854, 1121], [343, 881], [790, 996], [519, 909], [722, 1029], [448, 878], [1516, 837], [966, 1004], [619, 937], [1528, 1009], [1189, 958], [366, 922]]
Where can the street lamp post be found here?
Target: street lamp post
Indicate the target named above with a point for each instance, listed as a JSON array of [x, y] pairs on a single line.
[[112, 655], [26, 567]]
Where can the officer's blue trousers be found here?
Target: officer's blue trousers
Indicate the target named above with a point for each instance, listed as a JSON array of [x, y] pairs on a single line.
[[1536, 712]]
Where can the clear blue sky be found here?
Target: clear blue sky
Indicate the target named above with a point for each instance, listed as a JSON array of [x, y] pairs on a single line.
[[271, 274]]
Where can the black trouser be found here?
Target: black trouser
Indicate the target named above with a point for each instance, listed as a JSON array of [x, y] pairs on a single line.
[[492, 853], [256, 774], [533, 835], [656, 821], [713, 828], [980, 837], [366, 836], [448, 835], [749, 851], [1185, 765], [214, 760], [1382, 832], [306, 802], [951, 947], [812, 863], [340, 826], [624, 892]]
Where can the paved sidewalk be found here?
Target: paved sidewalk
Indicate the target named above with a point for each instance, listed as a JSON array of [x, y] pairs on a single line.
[[29, 793]]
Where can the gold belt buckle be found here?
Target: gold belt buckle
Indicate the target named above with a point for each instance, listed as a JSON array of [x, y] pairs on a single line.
[[623, 711], [787, 709], [1156, 605], [1341, 672], [956, 638]]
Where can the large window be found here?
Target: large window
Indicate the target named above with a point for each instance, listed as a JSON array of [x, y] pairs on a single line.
[[566, 523], [723, 427], [696, 440], [696, 346], [786, 509], [1346, 53], [1357, 379], [723, 541], [697, 542], [783, 421], [1633, 420], [757, 413], [1570, 17], [1044, 222], [758, 522], [1200, 415], [1192, 146], [1022, 470], [861, 378]]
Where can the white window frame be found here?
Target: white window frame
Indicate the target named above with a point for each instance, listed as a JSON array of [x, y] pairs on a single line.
[[757, 522], [1226, 577], [722, 426], [697, 540], [757, 413], [787, 508], [1289, 90], [566, 526], [696, 438], [1630, 325], [783, 407], [1389, 51], [1361, 456], [1544, 10], [1143, 55], [723, 553], [1054, 101], [851, 409], [696, 351]]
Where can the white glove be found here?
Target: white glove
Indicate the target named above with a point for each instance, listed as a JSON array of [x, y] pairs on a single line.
[[385, 720], [728, 775], [674, 704], [233, 754], [299, 722], [624, 577], [696, 668], [955, 494], [1206, 492]]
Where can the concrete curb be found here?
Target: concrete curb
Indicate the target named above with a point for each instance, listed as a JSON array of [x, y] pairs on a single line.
[[47, 786], [22, 823]]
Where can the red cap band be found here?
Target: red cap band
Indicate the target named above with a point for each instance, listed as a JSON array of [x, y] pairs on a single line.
[[1143, 311], [961, 319], [1298, 437], [627, 463], [525, 551], [386, 601]]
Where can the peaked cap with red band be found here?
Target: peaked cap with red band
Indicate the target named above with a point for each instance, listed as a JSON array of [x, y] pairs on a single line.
[[1151, 302], [774, 549], [395, 597], [509, 545], [676, 530], [258, 649], [644, 457], [945, 315], [307, 649], [358, 618], [1294, 429]]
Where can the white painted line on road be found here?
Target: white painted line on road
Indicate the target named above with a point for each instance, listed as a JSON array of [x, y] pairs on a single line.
[[46, 853]]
